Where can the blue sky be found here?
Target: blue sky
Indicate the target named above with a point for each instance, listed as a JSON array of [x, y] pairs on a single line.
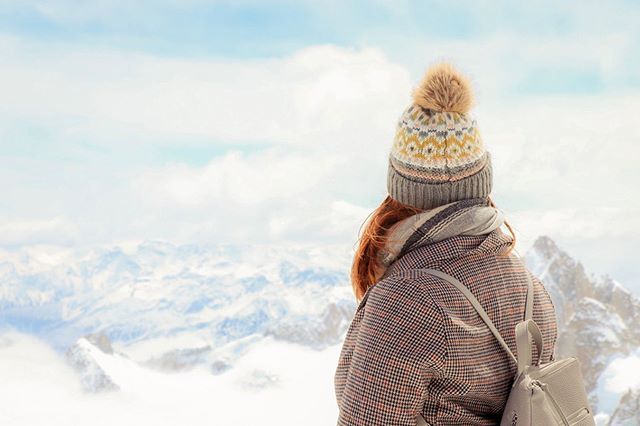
[[250, 29], [227, 121]]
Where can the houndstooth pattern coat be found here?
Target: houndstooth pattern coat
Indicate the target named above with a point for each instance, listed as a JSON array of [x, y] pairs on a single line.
[[416, 345]]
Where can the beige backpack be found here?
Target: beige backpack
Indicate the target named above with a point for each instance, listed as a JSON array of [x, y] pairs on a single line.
[[542, 394]]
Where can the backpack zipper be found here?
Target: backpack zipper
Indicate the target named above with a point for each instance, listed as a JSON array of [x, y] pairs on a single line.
[[556, 407]]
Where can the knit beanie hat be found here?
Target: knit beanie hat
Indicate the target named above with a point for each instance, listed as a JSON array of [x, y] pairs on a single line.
[[437, 155]]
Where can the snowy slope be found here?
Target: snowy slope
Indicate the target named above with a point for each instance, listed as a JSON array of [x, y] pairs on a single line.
[[193, 296]]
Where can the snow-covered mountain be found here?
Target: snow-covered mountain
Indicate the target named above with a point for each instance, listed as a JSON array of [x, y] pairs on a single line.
[[195, 303], [173, 308], [84, 356]]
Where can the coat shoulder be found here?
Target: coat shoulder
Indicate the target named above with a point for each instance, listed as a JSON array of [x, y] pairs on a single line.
[[404, 289], [400, 308]]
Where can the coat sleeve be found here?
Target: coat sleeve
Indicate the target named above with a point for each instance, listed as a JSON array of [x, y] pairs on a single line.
[[400, 346]]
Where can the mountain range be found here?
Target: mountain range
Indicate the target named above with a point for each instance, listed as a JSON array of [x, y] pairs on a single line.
[[173, 308]]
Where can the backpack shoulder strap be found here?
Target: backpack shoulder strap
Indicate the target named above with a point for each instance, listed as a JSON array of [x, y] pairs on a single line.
[[528, 310], [476, 304]]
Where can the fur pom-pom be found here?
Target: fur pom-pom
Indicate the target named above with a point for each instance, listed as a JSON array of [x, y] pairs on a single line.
[[444, 89]]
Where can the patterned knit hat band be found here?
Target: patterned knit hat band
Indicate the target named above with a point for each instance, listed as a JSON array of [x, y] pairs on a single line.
[[438, 154]]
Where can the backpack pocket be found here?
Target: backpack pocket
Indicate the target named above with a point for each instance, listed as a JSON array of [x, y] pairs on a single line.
[[582, 417]]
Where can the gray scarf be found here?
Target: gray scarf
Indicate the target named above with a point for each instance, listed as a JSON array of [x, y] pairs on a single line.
[[465, 217]]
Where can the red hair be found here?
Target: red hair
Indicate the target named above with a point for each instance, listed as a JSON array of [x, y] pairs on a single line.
[[366, 269]]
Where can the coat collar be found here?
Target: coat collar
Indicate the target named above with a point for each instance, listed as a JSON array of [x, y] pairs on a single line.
[[420, 252]]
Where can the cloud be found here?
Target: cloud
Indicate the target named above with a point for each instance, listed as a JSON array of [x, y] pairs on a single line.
[[574, 223], [565, 151], [272, 101], [273, 378], [244, 180], [306, 138], [57, 230], [271, 195], [617, 378], [319, 121]]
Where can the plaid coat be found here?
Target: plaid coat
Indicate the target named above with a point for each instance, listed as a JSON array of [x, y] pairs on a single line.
[[416, 345]]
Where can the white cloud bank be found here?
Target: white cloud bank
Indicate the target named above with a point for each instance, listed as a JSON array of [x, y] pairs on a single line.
[[320, 121], [299, 99], [271, 385]]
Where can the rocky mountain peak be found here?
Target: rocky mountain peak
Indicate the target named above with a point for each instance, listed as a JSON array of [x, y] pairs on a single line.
[[545, 246], [596, 315], [83, 357], [100, 341]]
